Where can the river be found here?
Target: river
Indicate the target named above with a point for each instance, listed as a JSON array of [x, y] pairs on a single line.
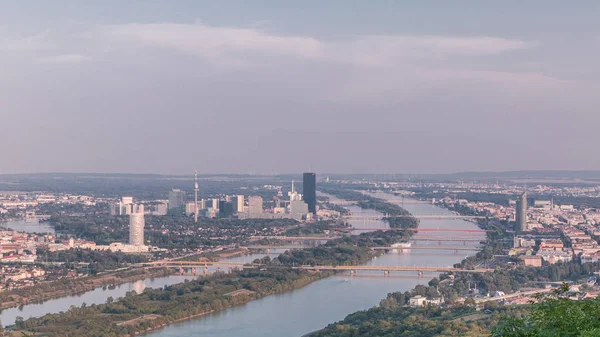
[[99, 295], [328, 300]]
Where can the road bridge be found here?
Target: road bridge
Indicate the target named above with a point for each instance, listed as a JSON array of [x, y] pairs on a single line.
[[423, 230], [324, 239], [293, 238], [436, 217], [388, 269], [455, 249], [179, 263], [353, 269]]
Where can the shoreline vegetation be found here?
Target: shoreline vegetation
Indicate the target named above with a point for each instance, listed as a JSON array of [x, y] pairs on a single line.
[[66, 287], [156, 308]]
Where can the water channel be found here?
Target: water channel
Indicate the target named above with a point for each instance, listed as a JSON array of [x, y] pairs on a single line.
[[28, 226], [313, 307]]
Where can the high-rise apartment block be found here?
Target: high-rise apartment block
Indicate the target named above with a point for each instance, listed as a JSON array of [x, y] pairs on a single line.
[[255, 206], [240, 204], [122, 207]]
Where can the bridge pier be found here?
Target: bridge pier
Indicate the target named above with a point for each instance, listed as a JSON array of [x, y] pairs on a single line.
[[386, 272], [205, 270], [420, 273], [352, 272], [181, 271], [456, 252], [194, 271]]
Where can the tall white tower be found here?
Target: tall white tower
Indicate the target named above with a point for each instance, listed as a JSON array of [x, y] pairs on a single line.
[[294, 196], [196, 196], [136, 225]]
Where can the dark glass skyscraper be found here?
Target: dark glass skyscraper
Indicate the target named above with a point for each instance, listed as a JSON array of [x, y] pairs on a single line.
[[310, 191], [521, 213]]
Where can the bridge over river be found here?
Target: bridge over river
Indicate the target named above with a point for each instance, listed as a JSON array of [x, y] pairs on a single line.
[[401, 249], [353, 269]]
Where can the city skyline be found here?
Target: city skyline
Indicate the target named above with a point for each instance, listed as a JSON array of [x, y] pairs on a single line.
[[430, 87]]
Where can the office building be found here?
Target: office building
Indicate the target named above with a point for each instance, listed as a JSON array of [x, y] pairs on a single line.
[[226, 208], [190, 208], [160, 208], [136, 225], [310, 191], [240, 204], [123, 207], [176, 201], [298, 209], [521, 213], [255, 206]]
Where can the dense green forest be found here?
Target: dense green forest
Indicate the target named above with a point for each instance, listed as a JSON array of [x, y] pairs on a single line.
[[554, 315], [396, 320], [98, 261]]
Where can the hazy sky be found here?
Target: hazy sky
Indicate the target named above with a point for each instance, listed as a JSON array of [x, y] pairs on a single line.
[[278, 86]]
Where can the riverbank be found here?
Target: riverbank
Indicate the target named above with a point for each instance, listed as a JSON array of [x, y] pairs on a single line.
[[64, 287], [171, 304], [250, 299]]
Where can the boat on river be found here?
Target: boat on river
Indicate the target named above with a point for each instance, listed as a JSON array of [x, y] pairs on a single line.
[[401, 245]]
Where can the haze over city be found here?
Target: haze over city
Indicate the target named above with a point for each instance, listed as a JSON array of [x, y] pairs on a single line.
[[275, 87]]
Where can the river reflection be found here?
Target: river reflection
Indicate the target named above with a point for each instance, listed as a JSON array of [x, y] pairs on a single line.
[[29, 226], [99, 295], [323, 302]]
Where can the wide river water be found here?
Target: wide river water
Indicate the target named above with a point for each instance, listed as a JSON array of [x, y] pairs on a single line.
[[325, 301]]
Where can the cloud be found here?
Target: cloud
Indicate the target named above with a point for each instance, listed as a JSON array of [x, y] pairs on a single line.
[[231, 45], [36, 42], [64, 59], [216, 44]]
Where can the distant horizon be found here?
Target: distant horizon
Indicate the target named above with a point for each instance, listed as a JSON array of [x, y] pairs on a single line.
[[301, 172]]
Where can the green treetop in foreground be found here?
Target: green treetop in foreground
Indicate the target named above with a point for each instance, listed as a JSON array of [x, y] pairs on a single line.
[[555, 316]]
